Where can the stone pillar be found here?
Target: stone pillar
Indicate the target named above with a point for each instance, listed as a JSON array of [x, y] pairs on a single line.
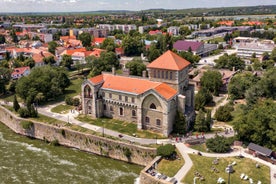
[[139, 118], [181, 103]]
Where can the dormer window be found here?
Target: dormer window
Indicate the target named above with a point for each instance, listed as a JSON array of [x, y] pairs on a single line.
[[152, 106]]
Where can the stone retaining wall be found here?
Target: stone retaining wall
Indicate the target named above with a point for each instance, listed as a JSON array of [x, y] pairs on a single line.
[[85, 142]]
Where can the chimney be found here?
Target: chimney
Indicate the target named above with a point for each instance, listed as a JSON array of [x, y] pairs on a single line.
[[113, 71], [144, 74]]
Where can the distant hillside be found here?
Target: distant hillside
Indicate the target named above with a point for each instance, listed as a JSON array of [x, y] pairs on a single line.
[[222, 11]]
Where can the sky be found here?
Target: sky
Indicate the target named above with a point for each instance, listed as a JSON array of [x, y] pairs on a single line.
[[93, 5]]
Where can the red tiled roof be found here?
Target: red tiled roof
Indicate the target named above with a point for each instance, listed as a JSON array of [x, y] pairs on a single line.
[[133, 85], [97, 79], [98, 40], [169, 61], [20, 70], [38, 58]]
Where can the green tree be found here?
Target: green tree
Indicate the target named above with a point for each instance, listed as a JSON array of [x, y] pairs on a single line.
[[29, 62], [202, 98], [229, 62], [2, 39], [5, 76], [257, 123], [52, 47], [212, 81], [166, 151], [200, 122], [223, 113], [240, 83], [189, 56], [136, 67], [66, 61], [180, 125], [86, 39], [153, 53], [16, 105], [218, 144], [184, 30], [273, 55], [109, 44], [47, 80], [133, 46], [13, 36], [208, 120], [49, 60]]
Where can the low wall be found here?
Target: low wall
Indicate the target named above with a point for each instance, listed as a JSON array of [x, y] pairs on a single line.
[[146, 178], [85, 142]]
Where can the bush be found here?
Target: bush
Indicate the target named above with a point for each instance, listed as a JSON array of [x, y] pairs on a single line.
[[223, 113], [219, 144], [166, 151], [127, 153], [27, 124], [68, 100], [76, 101], [23, 113], [55, 142]]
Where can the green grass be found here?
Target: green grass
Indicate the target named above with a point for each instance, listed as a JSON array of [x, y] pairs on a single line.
[[199, 147], [170, 167], [48, 120], [119, 126], [75, 88], [247, 166], [62, 109], [214, 40]]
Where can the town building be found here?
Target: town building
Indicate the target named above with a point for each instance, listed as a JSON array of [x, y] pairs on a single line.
[[150, 102], [20, 72], [247, 46]]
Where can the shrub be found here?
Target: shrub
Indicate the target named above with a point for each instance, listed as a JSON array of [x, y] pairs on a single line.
[[27, 124], [23, 113], [223, 113], [76, 101], [127, 153], [16, 105], [219, 144], [55, 142], [69, 100], [166, 151]]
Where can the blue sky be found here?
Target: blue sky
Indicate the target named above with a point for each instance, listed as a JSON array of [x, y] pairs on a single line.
[[92, 5]]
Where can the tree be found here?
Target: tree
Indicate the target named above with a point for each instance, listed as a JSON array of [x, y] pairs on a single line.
[[5, 76], [189, 56], [208, 120], [218, 144], [136, 67], [273, 55], [49, 60], [229, 62], [153, 52], [212, 81], [52, 47], [240, 83], [86, 39], [133, 46], [202, 98], [256, 123], [223, 113], [184, 30], [13, 35], [201, 123], [16, 105], [109, 44], [2, 39], [29, 62], [47, 80], [166, 151], [180, 125], [66, 61]]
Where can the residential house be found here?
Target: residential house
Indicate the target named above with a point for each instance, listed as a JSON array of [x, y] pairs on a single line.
[[20, 72]]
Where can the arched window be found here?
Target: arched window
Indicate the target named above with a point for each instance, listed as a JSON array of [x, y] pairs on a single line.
[[158, 122], [87, 92], [152, 106], [133, 113], [167, 74], [163, 75], [158, 74], [154, 73], [121, 111], [104, 107], [147, 120]]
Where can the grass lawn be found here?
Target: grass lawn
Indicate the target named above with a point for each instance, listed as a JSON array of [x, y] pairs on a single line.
[[199, 147], [75, 88], [247, 166], [119, 126], [170, 167], [48, 120], [62, 109]]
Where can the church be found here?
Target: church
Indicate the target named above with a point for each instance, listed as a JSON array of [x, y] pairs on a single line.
[[151, 102]]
